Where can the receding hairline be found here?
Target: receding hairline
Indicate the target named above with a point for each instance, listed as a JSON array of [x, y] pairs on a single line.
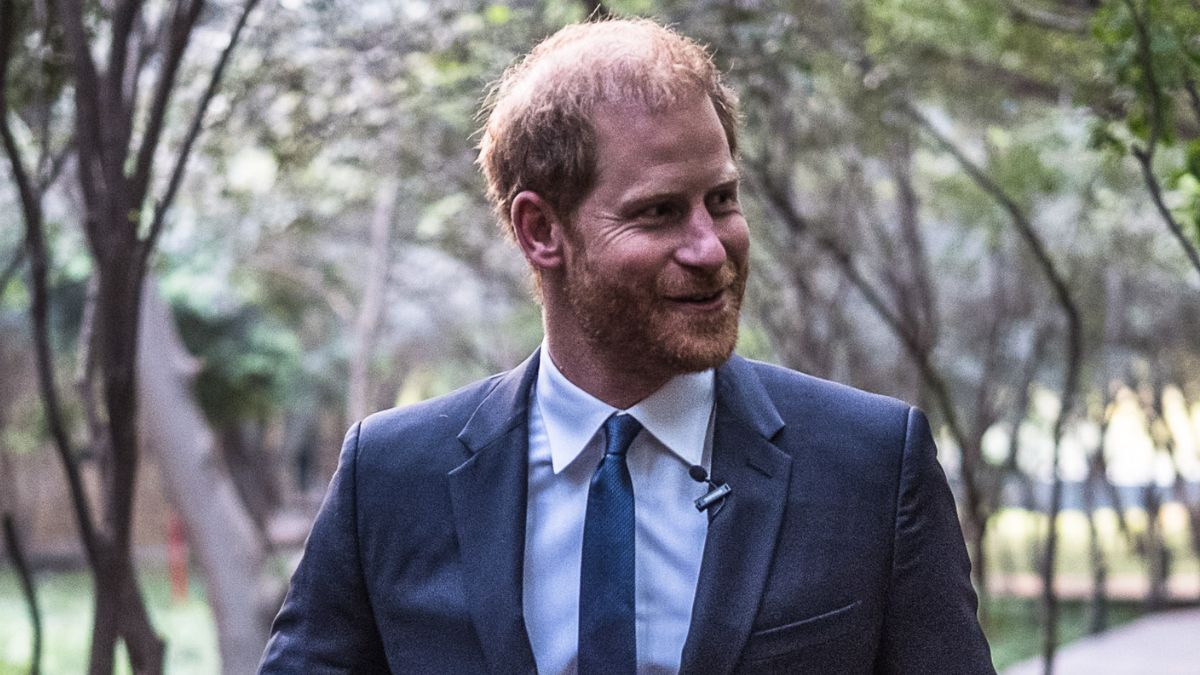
[[606, 52]]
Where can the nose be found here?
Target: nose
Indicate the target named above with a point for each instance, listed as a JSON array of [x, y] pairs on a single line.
[[701, 246]]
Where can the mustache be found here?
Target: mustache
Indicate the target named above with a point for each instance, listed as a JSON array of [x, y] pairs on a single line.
[[699, 283]]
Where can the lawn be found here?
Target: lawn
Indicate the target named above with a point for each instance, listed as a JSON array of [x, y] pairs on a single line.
[[65, 599], [1015, 634]]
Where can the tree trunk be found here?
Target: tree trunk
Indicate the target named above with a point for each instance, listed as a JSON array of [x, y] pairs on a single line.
[[370, 308], [252, 471], [1098, 621], [231, 553], [1157, 556], [979, 563], [120, 608]]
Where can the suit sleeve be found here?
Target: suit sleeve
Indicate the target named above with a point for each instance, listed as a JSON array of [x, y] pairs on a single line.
[[930, 624], [326, 625]]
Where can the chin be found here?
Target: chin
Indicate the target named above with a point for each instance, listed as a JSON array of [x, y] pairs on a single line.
[[689, 352]]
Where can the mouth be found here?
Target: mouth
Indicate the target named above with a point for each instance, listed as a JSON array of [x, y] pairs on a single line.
[[702, 301]]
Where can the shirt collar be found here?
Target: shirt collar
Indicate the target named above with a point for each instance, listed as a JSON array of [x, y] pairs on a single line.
[[677, 414]]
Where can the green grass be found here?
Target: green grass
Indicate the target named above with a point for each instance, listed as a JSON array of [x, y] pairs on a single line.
[[65, 599], [1014, 630], [1012, 534]]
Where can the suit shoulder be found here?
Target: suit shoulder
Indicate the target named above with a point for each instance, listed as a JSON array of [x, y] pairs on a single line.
[[833, 411], [461, 401], [838, 431], [812, 389], [430, 423]]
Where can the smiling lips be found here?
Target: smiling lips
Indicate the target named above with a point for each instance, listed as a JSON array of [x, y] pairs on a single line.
[[702, 301]]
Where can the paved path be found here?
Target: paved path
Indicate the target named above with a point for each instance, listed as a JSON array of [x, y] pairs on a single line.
[[1161, 644]]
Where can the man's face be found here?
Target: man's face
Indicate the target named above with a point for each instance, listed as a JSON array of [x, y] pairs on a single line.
[[657, 253]]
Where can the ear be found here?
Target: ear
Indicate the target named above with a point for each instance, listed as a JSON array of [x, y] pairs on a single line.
[[539, 231]]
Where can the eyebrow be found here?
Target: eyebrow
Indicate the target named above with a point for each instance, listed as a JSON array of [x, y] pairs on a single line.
[[732, 175], [726, 178]]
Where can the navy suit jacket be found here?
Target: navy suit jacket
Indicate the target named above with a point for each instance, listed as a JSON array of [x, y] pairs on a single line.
[[839, 550]]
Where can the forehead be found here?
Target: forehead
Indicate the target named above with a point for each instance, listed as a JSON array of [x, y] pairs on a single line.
[[682, 140]]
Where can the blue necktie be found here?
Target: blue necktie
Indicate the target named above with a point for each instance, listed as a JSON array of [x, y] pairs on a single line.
[[607, 634]]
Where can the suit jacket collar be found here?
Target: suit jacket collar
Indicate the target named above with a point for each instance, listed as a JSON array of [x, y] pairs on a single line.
[[488, 495], [489, 491], [742, 534]]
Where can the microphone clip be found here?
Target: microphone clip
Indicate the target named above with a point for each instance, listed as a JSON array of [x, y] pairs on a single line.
[[713, 496], [716, 493]]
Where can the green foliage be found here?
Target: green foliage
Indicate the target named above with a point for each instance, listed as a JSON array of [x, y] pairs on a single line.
[[248, 363], [39, 70], [1152, 52], [1152, 55], [976, 57]]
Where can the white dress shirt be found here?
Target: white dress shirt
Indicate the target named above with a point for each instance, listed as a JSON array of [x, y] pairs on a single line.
[[564, 450]]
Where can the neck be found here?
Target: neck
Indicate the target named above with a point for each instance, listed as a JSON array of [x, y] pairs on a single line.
[[601, 375]]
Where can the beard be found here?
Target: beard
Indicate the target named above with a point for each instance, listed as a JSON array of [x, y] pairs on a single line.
[[640, 327]]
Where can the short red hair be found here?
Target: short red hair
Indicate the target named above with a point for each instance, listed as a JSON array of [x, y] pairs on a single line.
[[538, 135]]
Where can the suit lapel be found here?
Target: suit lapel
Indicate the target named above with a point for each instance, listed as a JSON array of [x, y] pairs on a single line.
[[488, 493], [741, 536]]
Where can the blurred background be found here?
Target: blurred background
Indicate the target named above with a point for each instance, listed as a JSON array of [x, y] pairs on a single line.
[[229, 229]]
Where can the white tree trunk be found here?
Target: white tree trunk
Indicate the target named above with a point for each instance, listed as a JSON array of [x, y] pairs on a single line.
[[231, 553], [370, 308]]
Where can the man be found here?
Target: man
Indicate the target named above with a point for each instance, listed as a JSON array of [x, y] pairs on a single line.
[[542, 519]]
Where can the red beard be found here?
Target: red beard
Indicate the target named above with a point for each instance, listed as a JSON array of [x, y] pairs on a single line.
[[641, 325]]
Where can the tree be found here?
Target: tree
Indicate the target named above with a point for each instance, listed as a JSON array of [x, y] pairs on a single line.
[[116, 136]]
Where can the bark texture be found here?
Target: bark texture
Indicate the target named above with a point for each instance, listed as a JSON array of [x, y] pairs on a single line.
[[231, 554]]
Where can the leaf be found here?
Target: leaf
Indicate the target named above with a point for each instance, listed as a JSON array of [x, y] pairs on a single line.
[[1192, 157], [497, 15], [1104, 140]]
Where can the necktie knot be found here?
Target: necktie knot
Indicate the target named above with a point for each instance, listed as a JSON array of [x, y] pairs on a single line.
[[620, 430]]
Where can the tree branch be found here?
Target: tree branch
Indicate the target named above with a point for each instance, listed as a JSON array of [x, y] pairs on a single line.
[[1193, 97], [1144, 158], [39, 308], [87, 115], [596, 10], [119, 124], [17, 553], [1074, 353], [30, 201], [781, 202], [1024, 228], [1147, 59], [35, 250], [85, 382], [54, 166], [214, 82], [182, 20], [1015, 81], [1041, 18], [900, 161]]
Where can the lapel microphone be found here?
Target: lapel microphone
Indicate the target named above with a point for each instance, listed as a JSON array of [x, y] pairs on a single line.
[[717, 493]]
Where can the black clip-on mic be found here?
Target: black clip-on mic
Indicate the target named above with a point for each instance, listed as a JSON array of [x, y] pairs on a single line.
[[718, 492]]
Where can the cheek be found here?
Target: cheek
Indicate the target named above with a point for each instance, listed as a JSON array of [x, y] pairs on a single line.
[[736, 239]]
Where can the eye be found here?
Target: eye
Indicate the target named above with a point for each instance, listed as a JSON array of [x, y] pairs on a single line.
[[723, 201], [660, 211]]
